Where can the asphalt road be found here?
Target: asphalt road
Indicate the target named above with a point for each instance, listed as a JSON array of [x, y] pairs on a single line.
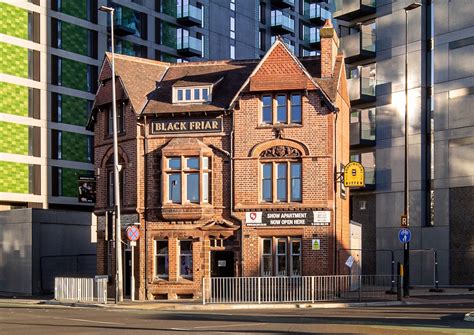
[[414, 319]]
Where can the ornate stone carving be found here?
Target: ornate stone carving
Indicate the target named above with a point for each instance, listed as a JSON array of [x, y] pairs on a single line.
[[280, 151]]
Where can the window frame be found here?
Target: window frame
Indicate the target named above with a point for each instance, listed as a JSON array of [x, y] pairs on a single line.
[[165, 255], [120, 120], [187, 255], [275, 178], [275, 113], [274, 255], [204, 183], [180, 96]]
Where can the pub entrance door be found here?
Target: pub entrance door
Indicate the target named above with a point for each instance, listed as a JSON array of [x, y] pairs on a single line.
[[222, 264]]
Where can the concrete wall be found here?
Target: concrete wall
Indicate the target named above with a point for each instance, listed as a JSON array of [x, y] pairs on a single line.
[[38, 245], [16, 252]]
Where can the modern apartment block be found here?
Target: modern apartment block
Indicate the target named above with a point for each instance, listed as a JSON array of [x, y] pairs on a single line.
[[440, 135], [51, 52]]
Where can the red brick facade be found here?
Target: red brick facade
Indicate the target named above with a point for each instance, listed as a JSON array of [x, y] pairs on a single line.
[[231, 162]]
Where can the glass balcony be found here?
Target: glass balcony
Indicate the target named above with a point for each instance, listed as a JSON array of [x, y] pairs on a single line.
[[316, 13], [189, 15], [282, 23], [283, 3], [128, 22], [361, 90], [348, 10], [369, 179], [362, 128], [359, 46], [189, 46], [312, 37], [362, 83]]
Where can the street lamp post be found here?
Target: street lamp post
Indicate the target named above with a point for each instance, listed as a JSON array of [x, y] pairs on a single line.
[[406, 203], [118, 231]]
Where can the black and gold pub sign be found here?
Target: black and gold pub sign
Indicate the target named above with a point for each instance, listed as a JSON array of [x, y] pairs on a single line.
[[174, 126]]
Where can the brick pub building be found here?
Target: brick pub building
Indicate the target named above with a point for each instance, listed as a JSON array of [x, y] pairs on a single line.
[[228, 167]]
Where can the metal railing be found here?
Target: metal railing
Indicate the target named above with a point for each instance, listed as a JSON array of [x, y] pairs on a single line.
[[297, 289], [81, 289]]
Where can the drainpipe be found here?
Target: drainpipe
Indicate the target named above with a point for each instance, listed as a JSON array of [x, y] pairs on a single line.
[[336, 258], [232, 142], [145, 196]]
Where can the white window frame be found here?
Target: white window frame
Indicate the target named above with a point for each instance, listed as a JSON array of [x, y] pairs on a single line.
[[292, 254], [204, 179], [201, 99]]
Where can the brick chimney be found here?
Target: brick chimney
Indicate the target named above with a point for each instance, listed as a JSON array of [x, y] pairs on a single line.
[[329, 49]]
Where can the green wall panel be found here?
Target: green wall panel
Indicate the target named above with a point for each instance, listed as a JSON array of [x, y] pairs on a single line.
[[14, 138], [13, 21], [69, 181], [74, 110], [77, 8], [74, 74], [13, 60], [74, 147], [74, 38], [14, 177], [13, 99], [169, 7], [169, 35]]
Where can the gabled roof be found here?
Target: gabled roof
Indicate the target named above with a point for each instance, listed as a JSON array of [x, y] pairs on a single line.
[[148, 84], [282, 49], [227, 77]]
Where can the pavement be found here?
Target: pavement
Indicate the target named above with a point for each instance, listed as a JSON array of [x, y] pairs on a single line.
[[417, 297]]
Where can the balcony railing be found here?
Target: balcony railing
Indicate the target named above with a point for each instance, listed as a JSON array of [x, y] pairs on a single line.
[[317, 14], [361, 90], [189, 46], [359, 46], [126, 22], [283, 3], [282, 23], [348, 10], [189, 15], [313, 38], [362, 133], [370, 178]]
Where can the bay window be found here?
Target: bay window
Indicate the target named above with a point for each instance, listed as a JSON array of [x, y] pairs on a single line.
[[187, 179]]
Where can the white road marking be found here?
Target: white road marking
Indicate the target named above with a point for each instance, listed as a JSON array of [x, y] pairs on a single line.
[[91, 321], [232, 325]]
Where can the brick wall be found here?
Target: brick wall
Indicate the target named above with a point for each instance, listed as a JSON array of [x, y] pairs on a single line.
[[202, 223]]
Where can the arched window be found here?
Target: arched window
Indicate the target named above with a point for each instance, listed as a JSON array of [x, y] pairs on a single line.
[[281, 174]]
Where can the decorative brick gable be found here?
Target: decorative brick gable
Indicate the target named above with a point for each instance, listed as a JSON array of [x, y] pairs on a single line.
[[280, 71]]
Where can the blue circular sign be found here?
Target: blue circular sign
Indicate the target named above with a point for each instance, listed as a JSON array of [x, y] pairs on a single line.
[[404, 235]]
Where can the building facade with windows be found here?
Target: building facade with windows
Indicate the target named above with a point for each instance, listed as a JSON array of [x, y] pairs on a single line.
[[228, 167], [440, 97], [51, 52]]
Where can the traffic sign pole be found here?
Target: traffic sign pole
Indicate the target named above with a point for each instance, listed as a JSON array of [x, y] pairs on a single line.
[[133, 234], [132, 279]]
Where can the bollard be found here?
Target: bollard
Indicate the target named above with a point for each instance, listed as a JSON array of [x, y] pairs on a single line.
[[392, 276], [436, 279], [399, 281]]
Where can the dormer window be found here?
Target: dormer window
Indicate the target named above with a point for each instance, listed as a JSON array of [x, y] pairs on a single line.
[[191, 94]]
